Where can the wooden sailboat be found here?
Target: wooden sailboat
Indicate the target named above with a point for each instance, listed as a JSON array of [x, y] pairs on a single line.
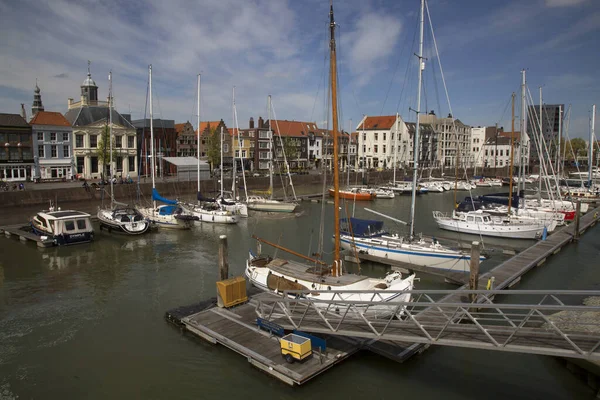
[[169, 215], [259, 203], [276, 275]]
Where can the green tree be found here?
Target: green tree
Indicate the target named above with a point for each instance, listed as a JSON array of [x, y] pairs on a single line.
[[213, 147], [577, 147], [290, 148], [103, 151]]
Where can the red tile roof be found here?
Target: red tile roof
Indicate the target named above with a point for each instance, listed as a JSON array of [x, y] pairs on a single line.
[[507, 135], [205, 124], [179, 127], [381, 122], [49, 118], [294, 128]]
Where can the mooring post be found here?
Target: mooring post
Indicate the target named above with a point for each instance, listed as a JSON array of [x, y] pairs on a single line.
[[577, 217], [223, 262], [474, 267]]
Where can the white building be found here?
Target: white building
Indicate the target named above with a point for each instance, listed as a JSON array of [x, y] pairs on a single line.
[[53, 146], [451, 140], [496, 151], [89, 119], [476, 150], [378, 138]]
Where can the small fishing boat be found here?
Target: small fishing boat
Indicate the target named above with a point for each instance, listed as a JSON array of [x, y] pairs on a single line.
[[64, 226], [384, 194]]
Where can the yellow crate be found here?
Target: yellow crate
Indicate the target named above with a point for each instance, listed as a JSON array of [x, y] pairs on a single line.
[[232, 291], [295, 347]]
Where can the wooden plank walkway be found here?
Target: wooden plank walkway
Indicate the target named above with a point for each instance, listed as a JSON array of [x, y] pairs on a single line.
[[506, 275], [25, 235], [236, 329]]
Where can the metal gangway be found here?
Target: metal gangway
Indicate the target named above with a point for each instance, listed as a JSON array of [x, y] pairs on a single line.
[[563, 323]]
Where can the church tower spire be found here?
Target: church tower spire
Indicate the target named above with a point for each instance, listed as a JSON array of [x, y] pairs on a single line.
[[37, 101], [89, 90]]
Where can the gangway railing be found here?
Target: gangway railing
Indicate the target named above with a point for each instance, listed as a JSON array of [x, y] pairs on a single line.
[[559, 323]]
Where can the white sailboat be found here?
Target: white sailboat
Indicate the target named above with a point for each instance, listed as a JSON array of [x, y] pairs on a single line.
[[259, 203], [122, 218], [368, 236], [169, 215], [276, 275], [207, 209]]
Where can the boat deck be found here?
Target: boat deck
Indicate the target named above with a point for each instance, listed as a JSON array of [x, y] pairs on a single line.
[[236, 329], [24, 233], [301, 271]]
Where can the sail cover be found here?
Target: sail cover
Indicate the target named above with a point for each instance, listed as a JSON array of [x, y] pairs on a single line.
[[361, 227], [157, 197], [200, 197]]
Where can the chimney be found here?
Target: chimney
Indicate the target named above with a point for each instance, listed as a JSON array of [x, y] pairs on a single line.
[[69, 103], [23, 112], [251, 123], [261, 123]]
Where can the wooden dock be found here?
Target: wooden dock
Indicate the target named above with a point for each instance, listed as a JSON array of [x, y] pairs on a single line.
[[506, 275], [24, 233], [236, 329]]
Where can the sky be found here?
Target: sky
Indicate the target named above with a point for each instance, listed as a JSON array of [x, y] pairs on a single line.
[[279, 48]]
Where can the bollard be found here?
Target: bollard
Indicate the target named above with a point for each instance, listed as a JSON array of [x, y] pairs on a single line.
[[223, 262], [577, 217], [474, 267]]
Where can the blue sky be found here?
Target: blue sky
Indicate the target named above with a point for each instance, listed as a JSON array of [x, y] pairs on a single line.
[[278, 47]]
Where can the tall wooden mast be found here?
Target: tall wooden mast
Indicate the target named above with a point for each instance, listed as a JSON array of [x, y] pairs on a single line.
[[336, 269]]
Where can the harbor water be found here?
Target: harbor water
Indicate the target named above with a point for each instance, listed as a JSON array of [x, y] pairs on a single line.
[[87, 321]]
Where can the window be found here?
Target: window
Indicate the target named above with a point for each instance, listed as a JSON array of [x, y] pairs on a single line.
[[384, 148], [131, 162], [237, 154], [364, 148], [94, 165], [131, 142], [119, 164], [93, 141], [3, 156], [78, 141], [264, 155], [375, 147], [384, 134], [69, 225], [263, 135], [41, 153], [243, 153], [263, 145], [501, 153], [66, 153], [364, 136], [24, 138], [80, 164], [65, 136], [226, 148], [13, 153], [392, 137], [13, 138], [251, 133], [242, 143], [81, 224], [53, 151], [27, 153], [118, 141], [507, 153], [376, 136], [41, 136], [53, 137], [486, 152]]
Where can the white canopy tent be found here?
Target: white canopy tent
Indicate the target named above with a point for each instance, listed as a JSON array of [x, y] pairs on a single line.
[[187, 168]]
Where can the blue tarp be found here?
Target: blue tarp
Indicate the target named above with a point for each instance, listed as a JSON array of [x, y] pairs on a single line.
[[361, 227], [157, 197], [167, 210]]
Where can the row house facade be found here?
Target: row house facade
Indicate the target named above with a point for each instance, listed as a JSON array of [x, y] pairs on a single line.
[[478, 139], [207, 128], [53, 146], [259, 143], [165, 144], [243, 148], [89, 119], [16, 153], [453, 140], [187, 140], [378, 137], [293, 137]]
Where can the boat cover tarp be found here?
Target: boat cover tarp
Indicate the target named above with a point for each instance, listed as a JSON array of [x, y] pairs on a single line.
[[158, 197], [361, 227], [200, 197], [499, 198], [167, 210]]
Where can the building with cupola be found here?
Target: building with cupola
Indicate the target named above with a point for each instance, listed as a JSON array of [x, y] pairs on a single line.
[[89, 118]]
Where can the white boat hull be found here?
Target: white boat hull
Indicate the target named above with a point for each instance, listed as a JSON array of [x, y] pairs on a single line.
[[272, 206], [508, 231], [212, 216], [394, 250], [165, 221]]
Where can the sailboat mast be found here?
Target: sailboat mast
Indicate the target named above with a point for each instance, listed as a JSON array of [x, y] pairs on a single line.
[[524, 139], [153, 161], [512, 156], [540, 150], [221, 160], [110, 138], [270, 134], [198, 145], [234, 169], [336, 270], [395, 150], [591, 147], [560, 123], [418, 111]]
